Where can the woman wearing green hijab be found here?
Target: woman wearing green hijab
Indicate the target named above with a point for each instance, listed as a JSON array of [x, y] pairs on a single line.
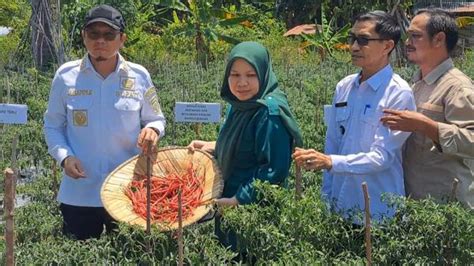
[[259, 132]]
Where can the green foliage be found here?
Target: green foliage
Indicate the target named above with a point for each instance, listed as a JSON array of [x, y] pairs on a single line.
[[327, 37], [203, 22], [8, 45], [280, 229], [464, 21], [14, 14], [39, 239], [31, 89], [296, 12], [426, 232]]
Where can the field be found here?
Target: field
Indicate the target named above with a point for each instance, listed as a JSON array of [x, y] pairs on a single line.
[[279, 229]]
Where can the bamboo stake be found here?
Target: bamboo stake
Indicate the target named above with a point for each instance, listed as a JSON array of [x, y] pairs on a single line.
[[9, 203], [368, 244], [180, 229]]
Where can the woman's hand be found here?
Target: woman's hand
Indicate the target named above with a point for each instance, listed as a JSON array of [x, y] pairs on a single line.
[[229, 202], [207, 146]]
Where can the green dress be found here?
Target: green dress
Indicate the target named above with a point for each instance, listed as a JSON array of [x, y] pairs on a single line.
[[258, 135]]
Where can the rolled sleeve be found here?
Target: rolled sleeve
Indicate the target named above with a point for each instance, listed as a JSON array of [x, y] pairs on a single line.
[[339, 164], [456, 137]]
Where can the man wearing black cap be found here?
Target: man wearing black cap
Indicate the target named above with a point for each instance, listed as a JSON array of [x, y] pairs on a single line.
[[102, 110]]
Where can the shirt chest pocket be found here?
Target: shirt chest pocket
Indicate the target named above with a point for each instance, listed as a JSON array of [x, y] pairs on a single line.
[[78, 110], [79, 102], [370, 121], [127, 105], [433, 111], [342, 121]]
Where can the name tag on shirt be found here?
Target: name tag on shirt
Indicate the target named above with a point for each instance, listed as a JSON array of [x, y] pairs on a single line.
[[128, 94], [76, 92]]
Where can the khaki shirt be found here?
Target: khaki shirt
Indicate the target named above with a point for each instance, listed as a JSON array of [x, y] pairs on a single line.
[[445, 95]]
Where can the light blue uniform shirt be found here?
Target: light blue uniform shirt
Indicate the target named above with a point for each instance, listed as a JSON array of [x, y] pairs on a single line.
[[98, 121], [361, 148]]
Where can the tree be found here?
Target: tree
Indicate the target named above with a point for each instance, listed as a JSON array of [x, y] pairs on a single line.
[[46, 40], [296, 12], [202, 21]]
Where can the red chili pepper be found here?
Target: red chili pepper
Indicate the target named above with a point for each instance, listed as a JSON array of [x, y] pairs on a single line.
[[164, 195]]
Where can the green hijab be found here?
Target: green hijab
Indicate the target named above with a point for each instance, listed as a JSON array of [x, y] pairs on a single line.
[[241, 112]]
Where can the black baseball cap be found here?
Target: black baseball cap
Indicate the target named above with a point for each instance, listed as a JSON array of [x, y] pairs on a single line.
[[107, 15]]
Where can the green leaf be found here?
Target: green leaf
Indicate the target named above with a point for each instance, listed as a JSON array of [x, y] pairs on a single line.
[[210, 34], [229, 39], [175, 17], [464, 21], [174, 4], [232, 21]]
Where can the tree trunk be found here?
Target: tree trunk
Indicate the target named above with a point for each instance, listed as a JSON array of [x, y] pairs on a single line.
[[46, 41]]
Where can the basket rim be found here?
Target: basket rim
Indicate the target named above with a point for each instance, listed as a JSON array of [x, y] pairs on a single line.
[[107, 201]]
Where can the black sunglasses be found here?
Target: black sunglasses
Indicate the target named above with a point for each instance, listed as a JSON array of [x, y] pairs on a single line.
[[362, 41], [108, 35]]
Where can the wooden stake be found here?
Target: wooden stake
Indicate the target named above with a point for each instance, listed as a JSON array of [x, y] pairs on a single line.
[[453, 189], [448, 252], [368, 244], [197, 130], [298, 186], [9, 203], [148, 194], [54, 170], [180, 230]]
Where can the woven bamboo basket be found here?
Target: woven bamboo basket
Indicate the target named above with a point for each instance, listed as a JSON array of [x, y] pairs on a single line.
[[167, 160]]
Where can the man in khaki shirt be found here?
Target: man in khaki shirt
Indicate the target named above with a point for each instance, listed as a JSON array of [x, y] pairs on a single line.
[[441, 146]]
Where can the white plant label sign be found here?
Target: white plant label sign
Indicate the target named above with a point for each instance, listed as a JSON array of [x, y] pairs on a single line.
[[196, 112], [13, 113]]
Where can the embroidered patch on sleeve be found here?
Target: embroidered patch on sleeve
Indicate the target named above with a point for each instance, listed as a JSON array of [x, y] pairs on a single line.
[[152, 97]]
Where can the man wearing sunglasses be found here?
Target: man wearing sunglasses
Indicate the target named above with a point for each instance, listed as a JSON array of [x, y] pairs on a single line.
[[102, 110], [441, 147], [358, 147]]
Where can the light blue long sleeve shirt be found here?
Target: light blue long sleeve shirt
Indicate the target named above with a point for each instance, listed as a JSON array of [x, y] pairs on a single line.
[[362, 149], [98, 121]]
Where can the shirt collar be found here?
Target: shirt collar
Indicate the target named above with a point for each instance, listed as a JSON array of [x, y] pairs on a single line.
[[378, 78], [122, 64], [436, 73]]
